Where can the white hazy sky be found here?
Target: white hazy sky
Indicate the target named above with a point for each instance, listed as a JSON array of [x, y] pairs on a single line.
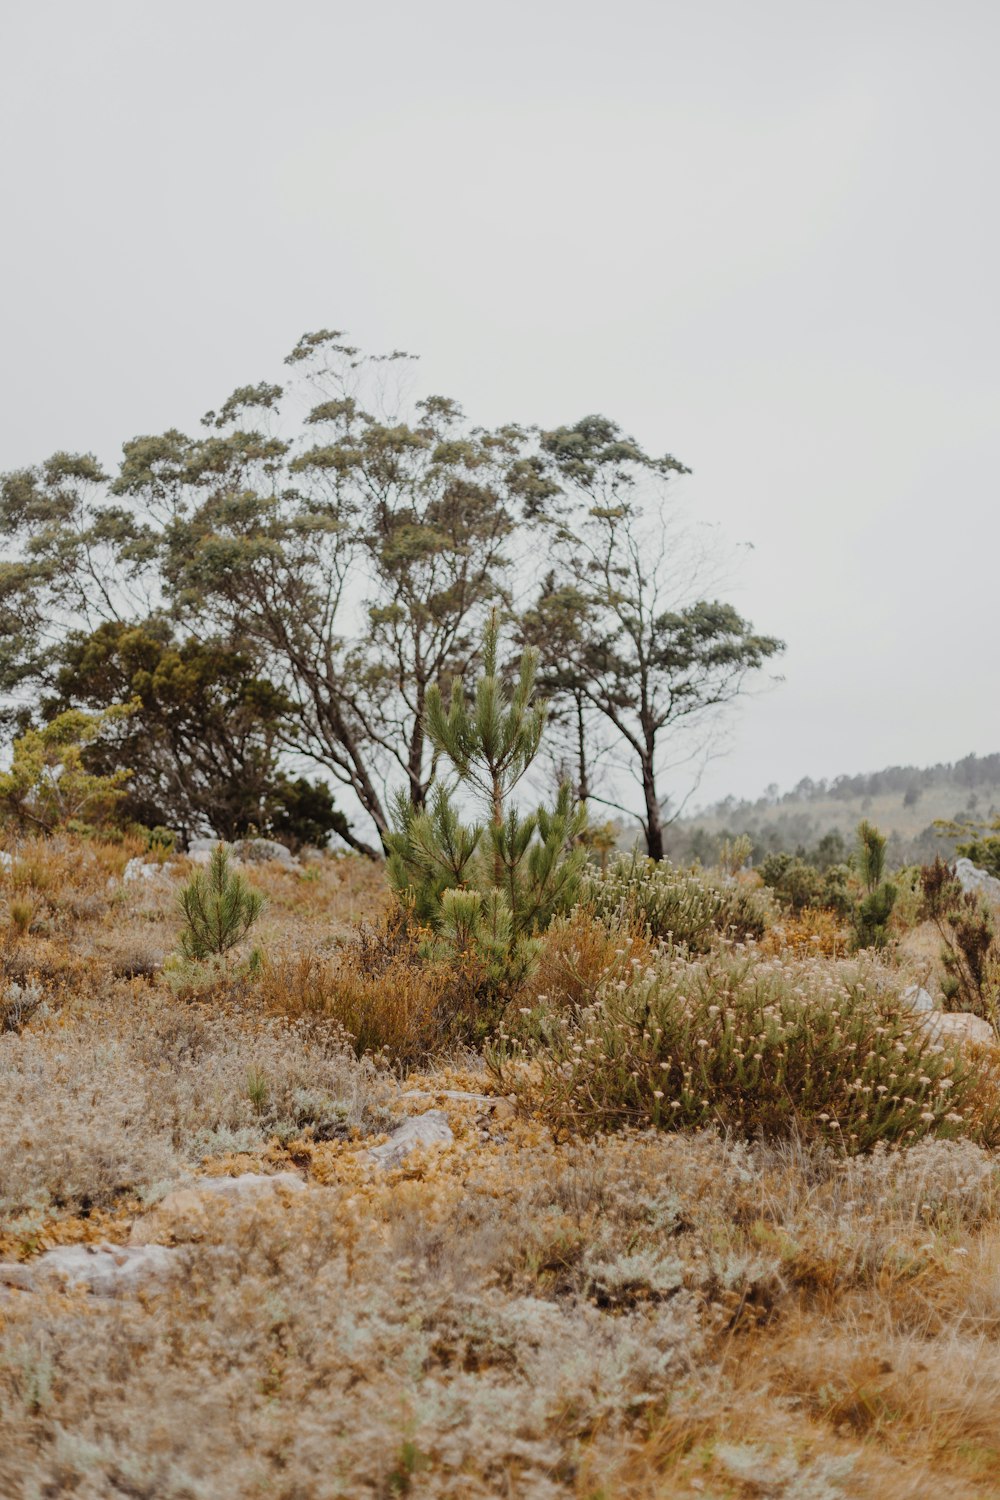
[[764, 237]]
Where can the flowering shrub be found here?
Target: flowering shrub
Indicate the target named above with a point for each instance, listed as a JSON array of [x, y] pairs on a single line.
[[681, 906], [759, 1047]]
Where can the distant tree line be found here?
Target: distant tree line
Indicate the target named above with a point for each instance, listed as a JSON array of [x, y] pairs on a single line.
[[277, 596]]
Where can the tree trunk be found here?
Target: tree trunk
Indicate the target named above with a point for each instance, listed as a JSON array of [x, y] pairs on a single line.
[[653, 823], [583, 780]]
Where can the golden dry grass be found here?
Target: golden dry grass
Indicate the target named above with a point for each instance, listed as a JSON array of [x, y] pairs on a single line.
[[629, 1317]]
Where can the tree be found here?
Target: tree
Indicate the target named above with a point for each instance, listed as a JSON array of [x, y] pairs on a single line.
[[219, 908], [202, 740], [872, 913], [287, 545], [48, 785], [487, 888], [637, 645]]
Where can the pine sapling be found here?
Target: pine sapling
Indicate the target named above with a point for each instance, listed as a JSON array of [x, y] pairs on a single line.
[[219, 908]]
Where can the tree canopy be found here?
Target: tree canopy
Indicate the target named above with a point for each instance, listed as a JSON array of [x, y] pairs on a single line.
[[282, 596]]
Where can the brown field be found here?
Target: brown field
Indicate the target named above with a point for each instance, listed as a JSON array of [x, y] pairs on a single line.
[[520, 1313]]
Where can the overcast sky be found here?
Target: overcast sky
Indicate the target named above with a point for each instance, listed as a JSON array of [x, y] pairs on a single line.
[[761, 236]]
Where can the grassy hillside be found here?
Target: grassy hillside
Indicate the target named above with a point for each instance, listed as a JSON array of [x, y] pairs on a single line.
[[905, 802]]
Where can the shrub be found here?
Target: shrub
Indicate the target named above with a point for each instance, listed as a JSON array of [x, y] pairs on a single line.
[[873, 910], [485, 890], [48, 785], [801, 886], [219, 909], [383, 993], [970, 951], [682, 906], [758, 1047], [18, 1003], [580, 953]]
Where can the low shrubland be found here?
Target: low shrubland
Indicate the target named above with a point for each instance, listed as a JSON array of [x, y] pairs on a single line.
[[737, 1233], [758, 1047], [687, 907]]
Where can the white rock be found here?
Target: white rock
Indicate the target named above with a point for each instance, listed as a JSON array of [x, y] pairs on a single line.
[[141, 869], [971, 878], [263, 851], [961, 1027], [243, 851], [431, 1129], [6, 860], [916, 998], [183, 1214], [249, 1185], [105, 1270]]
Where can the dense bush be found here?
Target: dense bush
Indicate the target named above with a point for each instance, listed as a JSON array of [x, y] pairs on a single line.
[[383, 993], [762, 1048], [802, 886], [681, 906]]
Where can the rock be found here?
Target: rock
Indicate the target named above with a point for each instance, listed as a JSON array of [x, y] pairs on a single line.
[[916, 998], [310, 855], [105, 1270], [431, 1129], [958, 1025], [203, 846], [263, 851], [141, 869], [6, 860], [243, 851], [183, 1214], [971, 878]]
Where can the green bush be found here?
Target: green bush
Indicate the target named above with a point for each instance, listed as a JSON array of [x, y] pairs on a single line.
[[681, 906], [219, 908], [486, 890], [762, 1048], [799, 885]]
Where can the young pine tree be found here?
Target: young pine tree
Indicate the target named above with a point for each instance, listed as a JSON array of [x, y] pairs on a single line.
[[872, 912], [219, 909], [485, 889]]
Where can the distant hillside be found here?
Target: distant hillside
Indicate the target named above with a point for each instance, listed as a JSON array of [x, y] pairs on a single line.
[[904, 801]]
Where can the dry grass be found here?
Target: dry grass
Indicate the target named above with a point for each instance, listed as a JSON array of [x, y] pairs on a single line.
[[628, 1317]]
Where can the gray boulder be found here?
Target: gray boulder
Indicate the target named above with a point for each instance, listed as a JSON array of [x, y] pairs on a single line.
[[244, 851], [971, 878], [263, 851], [431, 1129], [105, 1270], [916, 998], [186, 1214]]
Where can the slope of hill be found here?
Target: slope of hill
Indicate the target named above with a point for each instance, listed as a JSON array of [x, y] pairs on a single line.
[[906, 802]]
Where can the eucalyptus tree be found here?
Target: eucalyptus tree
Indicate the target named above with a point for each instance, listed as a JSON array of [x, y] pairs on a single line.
[[344, 538], [635, 641]]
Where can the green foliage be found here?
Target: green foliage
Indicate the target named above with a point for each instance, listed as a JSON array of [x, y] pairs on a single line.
[[970, 951], [619, 637], [49, 785], [873, 910], [203, 739], [752, 1047], [486, 889], [860, 894], [219, 909], [252, 532], [687, 907], [798, 884]]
